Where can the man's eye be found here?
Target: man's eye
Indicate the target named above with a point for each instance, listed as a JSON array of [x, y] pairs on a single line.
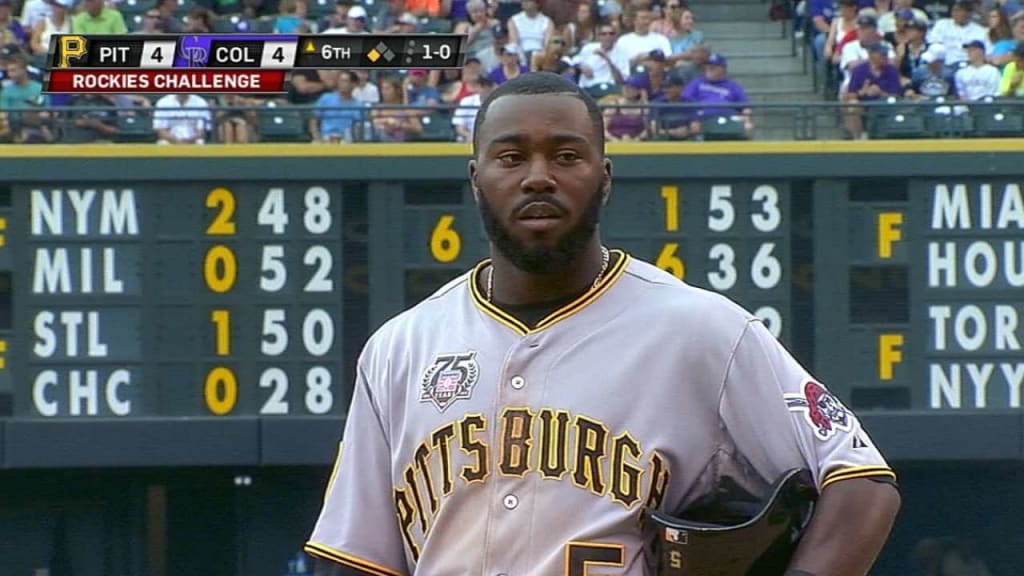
[[568, 156], [509, 158]]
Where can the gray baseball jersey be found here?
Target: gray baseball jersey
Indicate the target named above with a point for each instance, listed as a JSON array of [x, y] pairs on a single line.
[[478, 445]]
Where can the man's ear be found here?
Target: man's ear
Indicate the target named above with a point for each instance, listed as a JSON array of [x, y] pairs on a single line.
[[606, 181], [471, 167]]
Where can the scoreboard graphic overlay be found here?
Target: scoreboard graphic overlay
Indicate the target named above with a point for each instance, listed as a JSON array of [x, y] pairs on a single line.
[[219, 63]]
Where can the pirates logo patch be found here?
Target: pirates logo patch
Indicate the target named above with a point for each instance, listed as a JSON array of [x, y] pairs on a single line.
[[825, 413], [450, 377]]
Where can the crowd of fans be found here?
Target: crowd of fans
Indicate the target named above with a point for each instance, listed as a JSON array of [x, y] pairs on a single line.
[[645, 61], [956, 53]]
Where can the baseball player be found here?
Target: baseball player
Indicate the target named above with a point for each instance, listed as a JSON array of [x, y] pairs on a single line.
[[525, 418]]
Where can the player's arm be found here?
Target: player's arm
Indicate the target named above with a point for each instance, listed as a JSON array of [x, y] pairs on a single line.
[[358, 527], [778, 417], [850, 525]]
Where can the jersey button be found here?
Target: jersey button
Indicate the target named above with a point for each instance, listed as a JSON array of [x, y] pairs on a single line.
[[518, 382], [511, 501]]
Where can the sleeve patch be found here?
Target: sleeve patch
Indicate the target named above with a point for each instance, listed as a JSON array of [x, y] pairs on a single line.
[[822, 411]]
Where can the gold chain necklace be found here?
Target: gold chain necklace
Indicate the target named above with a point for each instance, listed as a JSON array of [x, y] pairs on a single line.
[[605, 258]]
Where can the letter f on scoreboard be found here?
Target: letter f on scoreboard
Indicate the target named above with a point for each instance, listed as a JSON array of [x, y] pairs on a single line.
[[71, 46], [890, 353], [889, 232]]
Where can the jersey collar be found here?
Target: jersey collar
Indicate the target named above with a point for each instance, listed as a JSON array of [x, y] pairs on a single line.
[[614, 272]]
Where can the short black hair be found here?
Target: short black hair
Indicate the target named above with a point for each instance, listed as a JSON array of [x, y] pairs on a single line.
[[537, 83]]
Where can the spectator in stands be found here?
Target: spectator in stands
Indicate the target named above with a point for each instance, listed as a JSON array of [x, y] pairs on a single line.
[[1010, 7], [479, 30], [11, 31], [882, 8], [459, 11], [601, 62], [167, 11], [365, 91], [151, 23], [32, 11], [681, 33], [1012, 83], [292, 19], [554, 58], [723, 96], [870, 81], [821, 13], [1017, 27], [1000, 36], [337, 113], [641, 47], [199, 20], [902, 10], [58, 22], [856, 52], [672, 122], [894, 29], [23, 100], [625, 115], [697, 66], [465, 83], [978, 79], [419, 92], [355, 22], [336, 20], [465, 115], [530, 30], [236, 119], [305, 87], [394, 123], [956, 31], [94, 119], [182, 119], [841, 25], [583, 29], [406, 23], [934, 79], [909, 52], [95, 18], [429, 8], [510, 67]]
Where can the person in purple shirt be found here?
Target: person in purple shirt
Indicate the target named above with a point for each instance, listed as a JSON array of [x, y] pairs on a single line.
[[510, 67], [821, 13], [718, 91], [873, 80]]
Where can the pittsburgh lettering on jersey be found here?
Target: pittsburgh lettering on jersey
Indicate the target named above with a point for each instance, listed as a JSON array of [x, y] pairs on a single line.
[[553, 444]]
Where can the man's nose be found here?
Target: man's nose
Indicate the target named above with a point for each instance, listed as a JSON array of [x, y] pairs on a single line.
[[538, 177]]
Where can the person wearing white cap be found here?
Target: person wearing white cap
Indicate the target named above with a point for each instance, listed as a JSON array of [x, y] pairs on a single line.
[[356, 22], [932, 79]]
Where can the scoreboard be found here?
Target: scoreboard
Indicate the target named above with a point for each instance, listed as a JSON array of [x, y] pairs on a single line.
[[225, 299], [177, 300], [219, 63], [927, 276]]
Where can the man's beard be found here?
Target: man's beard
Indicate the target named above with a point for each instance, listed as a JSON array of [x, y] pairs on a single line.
[[542, 259]]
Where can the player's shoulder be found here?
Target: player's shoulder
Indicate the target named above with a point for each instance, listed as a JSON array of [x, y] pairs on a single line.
[[659, 292]]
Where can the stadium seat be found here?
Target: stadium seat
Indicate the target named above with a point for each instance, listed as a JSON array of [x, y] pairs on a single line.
[[601, 90], [895, 124], [265, 25], [280, 125], [320, 8], [130, 8], [437, 127], [723, 128], [135, 128], [999, 123]]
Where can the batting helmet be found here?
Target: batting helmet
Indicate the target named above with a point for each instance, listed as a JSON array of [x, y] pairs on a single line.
[[733, 534]]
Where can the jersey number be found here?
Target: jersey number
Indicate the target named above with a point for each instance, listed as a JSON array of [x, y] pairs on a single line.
[[582, 555]]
